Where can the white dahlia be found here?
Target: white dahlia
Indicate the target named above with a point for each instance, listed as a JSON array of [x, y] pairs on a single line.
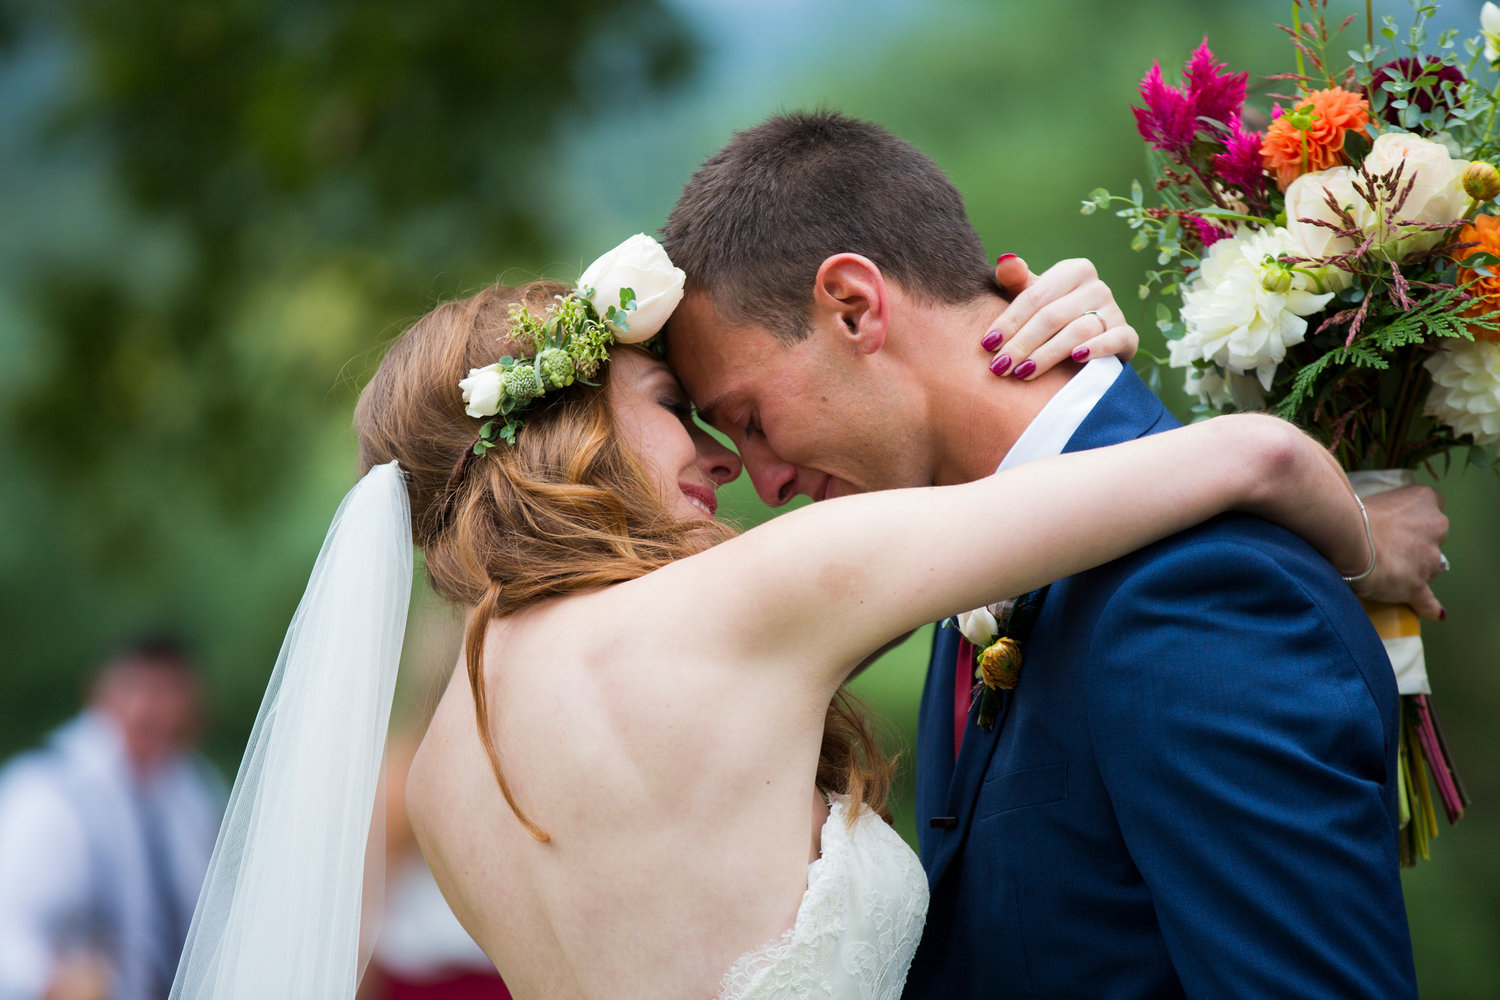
[[1245, 309], [1466, 389], [1215, 388]]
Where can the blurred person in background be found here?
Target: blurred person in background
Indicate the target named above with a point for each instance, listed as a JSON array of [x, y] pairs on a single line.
[[105, 833]]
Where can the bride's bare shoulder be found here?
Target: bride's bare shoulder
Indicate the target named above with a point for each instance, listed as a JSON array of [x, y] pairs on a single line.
[[438, 768]]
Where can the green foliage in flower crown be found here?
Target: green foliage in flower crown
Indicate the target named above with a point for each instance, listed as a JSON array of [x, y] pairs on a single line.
[[588, 338], [570, 325], [567, 344], [556, 368], [522, 384]]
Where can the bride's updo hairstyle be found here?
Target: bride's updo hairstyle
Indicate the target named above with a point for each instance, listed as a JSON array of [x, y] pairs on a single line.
[[567, 508]]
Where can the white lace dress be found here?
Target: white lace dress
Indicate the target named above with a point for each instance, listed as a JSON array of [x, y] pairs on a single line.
[[857, 927]]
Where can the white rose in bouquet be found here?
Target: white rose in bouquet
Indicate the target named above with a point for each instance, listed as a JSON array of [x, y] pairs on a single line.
[[1245, 308], [1489, 27], [1307, 198], [641, 265], [1436, 196]]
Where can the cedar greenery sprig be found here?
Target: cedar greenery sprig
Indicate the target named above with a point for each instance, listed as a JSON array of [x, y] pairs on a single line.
[[1331, 388]]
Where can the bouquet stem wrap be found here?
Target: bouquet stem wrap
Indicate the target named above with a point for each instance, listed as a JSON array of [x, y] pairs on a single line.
[[1425, 763]]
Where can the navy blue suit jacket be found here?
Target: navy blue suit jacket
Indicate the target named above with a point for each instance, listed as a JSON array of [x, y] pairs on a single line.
[[1191, 791]]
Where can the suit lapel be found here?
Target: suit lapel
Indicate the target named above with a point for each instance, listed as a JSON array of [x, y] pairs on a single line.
[[935, 737], [1127, 410]]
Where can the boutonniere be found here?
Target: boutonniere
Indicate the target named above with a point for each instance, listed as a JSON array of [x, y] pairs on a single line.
[[997, 631]]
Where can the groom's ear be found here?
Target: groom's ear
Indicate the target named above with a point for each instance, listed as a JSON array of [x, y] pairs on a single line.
[[849, 294]]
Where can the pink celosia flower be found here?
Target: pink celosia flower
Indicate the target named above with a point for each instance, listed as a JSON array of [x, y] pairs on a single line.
[[1240, 164], [1170, 119], [1217, 95], [1208, 232]]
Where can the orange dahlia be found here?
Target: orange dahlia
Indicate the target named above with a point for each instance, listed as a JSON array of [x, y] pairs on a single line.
[[1311, 136], [1485, 231]]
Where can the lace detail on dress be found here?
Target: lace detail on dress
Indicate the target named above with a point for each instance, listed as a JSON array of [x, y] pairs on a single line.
[[856, 928]]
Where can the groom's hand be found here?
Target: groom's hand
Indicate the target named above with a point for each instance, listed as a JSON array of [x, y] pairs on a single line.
[[1064, 312], [1408, 525]]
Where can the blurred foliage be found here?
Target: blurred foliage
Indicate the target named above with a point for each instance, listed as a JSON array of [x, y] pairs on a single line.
[[282, 182], [215, 206]]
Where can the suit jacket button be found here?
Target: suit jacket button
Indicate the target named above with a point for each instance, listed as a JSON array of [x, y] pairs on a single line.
[[943, 822]]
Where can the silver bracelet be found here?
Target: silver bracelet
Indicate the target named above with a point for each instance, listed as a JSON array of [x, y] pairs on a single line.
[[1369, 537]]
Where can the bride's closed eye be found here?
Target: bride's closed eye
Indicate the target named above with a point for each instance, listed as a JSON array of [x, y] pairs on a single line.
[[680, 406]]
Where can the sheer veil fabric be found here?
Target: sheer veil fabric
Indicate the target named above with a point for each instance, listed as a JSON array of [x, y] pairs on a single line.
[[280, 910]]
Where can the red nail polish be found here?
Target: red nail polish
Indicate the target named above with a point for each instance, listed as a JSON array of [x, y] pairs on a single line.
[[992, 340], [1080, 354], [1024, 369], [1003, 258], [1442, 614], [1001, 364]]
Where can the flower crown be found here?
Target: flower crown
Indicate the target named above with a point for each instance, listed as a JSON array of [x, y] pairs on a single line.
[[623, 297]]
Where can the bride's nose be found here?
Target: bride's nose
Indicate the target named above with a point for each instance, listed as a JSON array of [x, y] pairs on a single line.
[[721, 463]]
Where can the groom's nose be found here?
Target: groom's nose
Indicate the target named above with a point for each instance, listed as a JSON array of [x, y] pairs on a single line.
[[775, 480]]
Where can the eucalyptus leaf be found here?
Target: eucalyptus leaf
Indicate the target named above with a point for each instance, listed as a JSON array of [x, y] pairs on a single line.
[[1230, 214]]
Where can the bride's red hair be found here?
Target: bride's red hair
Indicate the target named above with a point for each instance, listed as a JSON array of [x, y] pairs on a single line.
[[566, 509]]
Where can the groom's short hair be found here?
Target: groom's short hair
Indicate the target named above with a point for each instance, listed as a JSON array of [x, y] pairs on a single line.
[[760, 216]]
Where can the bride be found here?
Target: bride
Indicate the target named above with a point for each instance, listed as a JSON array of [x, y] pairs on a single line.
[[644, 780]]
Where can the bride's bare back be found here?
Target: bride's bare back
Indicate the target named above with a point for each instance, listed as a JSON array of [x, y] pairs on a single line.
[[682, 817]]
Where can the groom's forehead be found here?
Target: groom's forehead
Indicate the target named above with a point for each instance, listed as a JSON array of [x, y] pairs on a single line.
[[710, 354]]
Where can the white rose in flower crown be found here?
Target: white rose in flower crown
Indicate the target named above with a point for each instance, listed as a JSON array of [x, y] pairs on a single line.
[[641, 265], [1465, 392], [482, 390], [1438, 194], [1245, 309]]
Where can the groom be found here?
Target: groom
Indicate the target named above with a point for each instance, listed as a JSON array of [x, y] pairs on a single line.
[[1191, 791]]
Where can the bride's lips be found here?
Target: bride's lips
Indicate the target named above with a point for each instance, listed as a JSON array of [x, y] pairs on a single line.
[[702, 494]]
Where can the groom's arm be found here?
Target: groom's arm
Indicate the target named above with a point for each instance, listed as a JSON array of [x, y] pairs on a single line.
[[1249, 759]]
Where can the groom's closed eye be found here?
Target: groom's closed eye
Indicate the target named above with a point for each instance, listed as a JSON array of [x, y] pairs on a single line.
[[713, 414]]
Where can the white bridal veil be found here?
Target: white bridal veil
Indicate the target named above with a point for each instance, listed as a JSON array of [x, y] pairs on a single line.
[[279, 914]]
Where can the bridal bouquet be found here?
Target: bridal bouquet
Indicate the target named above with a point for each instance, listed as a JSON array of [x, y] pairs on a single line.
[[1335, 262]]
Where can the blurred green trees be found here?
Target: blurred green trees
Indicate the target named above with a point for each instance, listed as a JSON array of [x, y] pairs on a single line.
[[228, 202]]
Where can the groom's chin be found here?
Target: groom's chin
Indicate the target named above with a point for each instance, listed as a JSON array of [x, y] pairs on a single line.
[[832, 488]]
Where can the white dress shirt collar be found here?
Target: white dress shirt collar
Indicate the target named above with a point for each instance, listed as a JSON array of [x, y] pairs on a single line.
[[1060, 419]]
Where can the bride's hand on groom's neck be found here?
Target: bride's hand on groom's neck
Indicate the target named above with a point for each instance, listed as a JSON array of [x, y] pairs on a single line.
[[1063, 314]]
